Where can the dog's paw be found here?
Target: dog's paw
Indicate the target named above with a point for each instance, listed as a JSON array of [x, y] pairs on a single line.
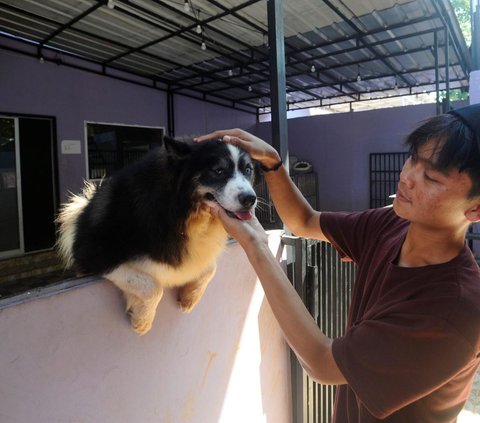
[[142, 312], [140, 322], [141, 327], [186, 304], [141, 319]]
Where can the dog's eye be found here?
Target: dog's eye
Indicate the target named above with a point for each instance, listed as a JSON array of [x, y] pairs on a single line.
[[248, 169], [218, 171]]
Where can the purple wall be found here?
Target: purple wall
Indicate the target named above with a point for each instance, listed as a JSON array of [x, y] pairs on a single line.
[[74, 96], [339, 145], [195, 117]]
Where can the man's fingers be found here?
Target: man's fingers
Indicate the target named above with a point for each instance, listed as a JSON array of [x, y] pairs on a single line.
[[235, 141], [208, 137], [220, 134]]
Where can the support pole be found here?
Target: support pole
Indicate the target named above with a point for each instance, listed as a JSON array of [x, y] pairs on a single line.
[[447, 70], [170, 114], [278, 86], [437, 73], [475, 19]]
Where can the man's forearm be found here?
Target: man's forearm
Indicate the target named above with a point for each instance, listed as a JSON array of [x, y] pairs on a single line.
[[311, 346]]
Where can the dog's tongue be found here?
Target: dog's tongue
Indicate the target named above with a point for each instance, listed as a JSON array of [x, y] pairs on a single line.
[[247, 215]]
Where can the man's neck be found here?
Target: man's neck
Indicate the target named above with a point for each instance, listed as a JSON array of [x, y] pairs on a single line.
[[425, 246]]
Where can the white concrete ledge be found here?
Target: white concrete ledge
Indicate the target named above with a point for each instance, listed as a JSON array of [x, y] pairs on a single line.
[[70, 355]]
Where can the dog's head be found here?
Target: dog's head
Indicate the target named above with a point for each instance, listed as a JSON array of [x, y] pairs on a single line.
[[221, 174]]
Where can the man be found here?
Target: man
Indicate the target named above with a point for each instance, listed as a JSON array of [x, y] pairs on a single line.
[[412, 343]]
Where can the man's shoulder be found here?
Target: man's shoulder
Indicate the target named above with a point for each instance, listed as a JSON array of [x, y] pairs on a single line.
[[382, 221]]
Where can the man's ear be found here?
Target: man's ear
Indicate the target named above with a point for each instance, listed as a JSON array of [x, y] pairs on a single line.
[[177, 148], [473, 213]]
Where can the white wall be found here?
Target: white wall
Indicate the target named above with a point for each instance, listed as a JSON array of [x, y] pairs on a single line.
[[72, 357]]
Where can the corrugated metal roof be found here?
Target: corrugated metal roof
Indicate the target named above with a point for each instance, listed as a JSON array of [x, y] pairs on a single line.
[[336, 50]]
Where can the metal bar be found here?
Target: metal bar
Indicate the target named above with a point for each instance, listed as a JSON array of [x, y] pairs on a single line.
[[180, 32], [72, 21], [332, 83], [298, 276], [437, 82], [475, 19], [278, 80], [447, 69], [359, 31], [171, 113], [443, 7], [332, 54]]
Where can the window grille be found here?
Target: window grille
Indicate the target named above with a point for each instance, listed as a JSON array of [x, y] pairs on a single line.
[[385, 171]]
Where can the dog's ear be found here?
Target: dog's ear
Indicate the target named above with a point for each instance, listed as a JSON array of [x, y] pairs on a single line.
[[176, 147]]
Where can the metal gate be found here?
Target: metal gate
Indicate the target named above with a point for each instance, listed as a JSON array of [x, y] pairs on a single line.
[[324, 283], [266, 213], [385, 171]]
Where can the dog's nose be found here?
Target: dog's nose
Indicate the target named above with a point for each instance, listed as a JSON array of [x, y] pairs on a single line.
[[247, 200]]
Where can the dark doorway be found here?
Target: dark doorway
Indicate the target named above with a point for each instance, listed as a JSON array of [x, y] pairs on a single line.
[[37, 182]]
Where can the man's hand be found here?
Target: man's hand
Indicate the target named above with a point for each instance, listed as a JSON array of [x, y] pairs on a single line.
[[256, 147], [246, 232]]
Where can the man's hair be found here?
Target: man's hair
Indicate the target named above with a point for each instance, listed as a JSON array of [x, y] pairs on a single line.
[[456, 146]]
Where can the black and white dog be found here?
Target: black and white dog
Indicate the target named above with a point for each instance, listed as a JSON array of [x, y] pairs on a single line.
[[149, 227]]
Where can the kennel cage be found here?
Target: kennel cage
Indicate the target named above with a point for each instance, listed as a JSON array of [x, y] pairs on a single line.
[[266, 213]]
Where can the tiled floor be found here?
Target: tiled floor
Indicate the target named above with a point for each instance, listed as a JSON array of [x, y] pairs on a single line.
[[471, 411]]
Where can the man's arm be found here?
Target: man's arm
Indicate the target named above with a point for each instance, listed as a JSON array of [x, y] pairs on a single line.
[[311, 346]]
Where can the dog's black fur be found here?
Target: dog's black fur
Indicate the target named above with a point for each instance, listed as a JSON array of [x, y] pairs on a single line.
[[152, 209]]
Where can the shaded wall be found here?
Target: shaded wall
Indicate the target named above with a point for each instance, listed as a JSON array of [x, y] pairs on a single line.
[[72, 357], [339, 145], [195, 117], [74, 96]]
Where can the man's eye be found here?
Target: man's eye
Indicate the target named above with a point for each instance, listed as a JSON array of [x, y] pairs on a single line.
[[428, 177]]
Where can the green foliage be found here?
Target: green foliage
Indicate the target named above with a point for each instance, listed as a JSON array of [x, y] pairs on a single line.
[[462, 10], [458, 94]]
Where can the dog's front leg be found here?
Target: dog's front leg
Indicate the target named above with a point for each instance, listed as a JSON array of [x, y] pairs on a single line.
[[191, 293], [142, 295]]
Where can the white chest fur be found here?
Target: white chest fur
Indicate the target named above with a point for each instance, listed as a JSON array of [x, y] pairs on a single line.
[[206, 239]]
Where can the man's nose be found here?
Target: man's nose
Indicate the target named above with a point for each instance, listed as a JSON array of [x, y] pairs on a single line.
[[408, 174]]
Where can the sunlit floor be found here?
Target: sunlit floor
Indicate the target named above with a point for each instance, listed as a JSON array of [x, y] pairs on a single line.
[[471, 412], [468, 417]]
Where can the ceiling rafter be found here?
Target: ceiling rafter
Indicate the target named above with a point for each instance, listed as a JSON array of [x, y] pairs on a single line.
[[338, 37], [344, 64]]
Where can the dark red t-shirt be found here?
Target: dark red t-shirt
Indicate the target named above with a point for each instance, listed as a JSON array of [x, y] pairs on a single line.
[[411, 349]]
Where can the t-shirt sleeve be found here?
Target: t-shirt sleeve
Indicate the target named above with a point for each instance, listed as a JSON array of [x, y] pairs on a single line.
[[394, 361], [349, 232]]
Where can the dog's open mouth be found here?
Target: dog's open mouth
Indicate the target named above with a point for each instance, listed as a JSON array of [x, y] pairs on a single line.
[[241, 214]]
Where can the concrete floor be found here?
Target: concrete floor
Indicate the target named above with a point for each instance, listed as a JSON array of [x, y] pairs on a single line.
[[471, 411]]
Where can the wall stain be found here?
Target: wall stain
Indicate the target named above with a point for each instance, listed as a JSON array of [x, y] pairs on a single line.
[[211, 357]]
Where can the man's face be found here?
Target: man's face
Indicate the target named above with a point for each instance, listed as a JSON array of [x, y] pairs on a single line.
[[432, 197]]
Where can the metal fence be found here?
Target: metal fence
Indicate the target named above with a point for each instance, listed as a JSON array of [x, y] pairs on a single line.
[[265, 211], [325, 284], [385, 171]]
